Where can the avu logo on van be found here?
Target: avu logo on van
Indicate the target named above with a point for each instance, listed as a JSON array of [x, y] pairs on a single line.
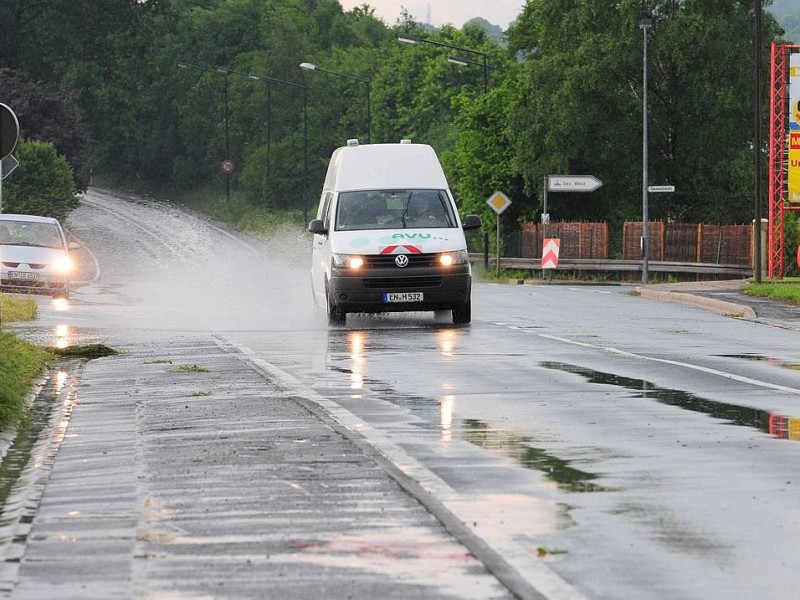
[[411, 236]]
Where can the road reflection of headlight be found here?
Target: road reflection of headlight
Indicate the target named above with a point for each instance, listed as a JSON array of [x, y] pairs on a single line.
[[60, 304], [61, 379], [446, 409], [63, 264], [447, 341], [356, 339]]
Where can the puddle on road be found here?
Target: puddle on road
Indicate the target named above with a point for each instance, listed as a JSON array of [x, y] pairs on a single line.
[[29, 450], [777, 426], [777, 362], [519, 447]]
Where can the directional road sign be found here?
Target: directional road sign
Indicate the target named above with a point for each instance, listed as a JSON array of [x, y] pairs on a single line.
[[660, 188], [573, 183]]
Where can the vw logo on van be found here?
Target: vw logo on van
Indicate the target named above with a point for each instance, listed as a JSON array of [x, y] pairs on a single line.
[[401, 260]]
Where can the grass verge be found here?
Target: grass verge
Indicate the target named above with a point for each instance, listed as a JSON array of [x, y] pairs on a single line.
[[17, 308], [20, 364], [785, 290]]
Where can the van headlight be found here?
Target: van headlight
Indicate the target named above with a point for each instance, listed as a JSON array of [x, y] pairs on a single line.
[[347, 261], [63, 264], [459, 257]]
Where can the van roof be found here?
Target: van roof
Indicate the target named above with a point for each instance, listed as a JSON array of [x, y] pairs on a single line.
[[384, 166]]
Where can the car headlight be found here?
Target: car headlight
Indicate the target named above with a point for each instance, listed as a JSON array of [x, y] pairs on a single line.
[[63, 264], [347, 261], [459, 257]]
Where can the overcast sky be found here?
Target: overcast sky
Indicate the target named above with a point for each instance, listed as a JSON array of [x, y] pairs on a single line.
[[455, 12]]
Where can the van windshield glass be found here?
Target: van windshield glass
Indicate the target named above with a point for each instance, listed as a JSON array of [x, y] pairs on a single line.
[[394, 209]]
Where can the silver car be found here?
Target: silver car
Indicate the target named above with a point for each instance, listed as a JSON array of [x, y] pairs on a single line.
[[34, 255]]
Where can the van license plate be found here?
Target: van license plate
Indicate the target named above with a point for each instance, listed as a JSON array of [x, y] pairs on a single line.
[[24, 275], [403, 297]]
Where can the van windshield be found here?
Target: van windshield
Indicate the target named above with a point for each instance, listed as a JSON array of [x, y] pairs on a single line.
[[393, 209]]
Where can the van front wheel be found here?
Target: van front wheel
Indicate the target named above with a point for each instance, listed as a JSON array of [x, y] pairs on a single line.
[[336, 316], [462, 313]]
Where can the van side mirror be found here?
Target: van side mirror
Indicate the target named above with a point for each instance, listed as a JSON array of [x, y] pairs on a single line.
[[471, 222], [317, 227]]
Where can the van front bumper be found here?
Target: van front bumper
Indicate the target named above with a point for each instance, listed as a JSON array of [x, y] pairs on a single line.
[[365, 291]]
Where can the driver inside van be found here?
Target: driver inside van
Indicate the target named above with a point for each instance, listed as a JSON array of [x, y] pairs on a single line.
[[349, 212], [425, 210]]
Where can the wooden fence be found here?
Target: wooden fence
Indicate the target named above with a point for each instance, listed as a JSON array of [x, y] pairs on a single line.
[[670, 242], [684, 242], [578, 240]]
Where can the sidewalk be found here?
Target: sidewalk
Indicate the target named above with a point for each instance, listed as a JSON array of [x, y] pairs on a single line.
[[725, 298], [171, 482]]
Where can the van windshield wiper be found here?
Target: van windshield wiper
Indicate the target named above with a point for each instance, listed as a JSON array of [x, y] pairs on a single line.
[[405, 212]]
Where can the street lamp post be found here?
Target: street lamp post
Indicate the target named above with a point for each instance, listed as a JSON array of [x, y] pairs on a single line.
[[757, 40], [462, 61], [644, 25], [268, 81], [220, 71], [312, 67]]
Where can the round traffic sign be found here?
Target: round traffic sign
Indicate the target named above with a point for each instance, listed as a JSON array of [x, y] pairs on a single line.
[[228, 166], [9, 131]]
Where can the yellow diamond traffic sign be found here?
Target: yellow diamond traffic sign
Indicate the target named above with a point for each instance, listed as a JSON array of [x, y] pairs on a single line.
[[499, 202]]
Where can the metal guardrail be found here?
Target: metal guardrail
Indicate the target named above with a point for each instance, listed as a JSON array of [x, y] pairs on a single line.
[[601, 264]]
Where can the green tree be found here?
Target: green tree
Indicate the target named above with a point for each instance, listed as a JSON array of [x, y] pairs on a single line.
[[482, 160], [580, 108], [42, 184], [45, 116]]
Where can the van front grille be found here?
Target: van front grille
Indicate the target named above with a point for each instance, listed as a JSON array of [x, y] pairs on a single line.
[[402, 283], [414, 260]]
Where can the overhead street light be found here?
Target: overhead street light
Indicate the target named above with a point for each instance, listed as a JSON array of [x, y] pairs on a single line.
[[409, 39], [306, 66], [456, 60]]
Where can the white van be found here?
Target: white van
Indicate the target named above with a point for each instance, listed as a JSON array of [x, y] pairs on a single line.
[[388, 237]]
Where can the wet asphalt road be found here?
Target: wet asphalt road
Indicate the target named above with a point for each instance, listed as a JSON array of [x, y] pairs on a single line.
[[649, 449]]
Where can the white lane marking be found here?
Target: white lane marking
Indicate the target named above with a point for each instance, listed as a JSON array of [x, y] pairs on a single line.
[[529, 567], [676, 363]]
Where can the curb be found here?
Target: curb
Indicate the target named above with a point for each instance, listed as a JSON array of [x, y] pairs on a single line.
[[722, 307]]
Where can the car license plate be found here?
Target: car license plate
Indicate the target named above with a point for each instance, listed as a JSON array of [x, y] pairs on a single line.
[[23, 275], [403, 297]]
